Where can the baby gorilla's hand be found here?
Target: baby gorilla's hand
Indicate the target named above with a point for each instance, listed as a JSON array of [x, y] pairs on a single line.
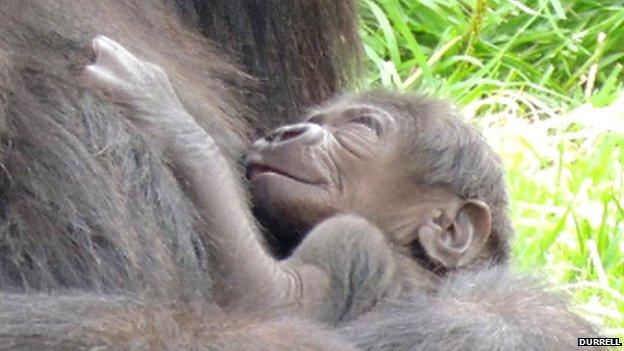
[[141, 88]]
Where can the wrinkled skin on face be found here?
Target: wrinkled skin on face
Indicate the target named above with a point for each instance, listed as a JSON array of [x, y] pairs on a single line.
[[341, 159]]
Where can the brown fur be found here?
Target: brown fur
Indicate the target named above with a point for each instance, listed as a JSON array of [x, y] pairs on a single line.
[[301, 51], [79, 321], [84, 202]]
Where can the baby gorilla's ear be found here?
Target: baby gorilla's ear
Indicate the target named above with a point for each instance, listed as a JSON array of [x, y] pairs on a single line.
[[457, 236]]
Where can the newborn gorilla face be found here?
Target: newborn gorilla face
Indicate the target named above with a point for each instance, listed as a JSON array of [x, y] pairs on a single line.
[[340, 159]]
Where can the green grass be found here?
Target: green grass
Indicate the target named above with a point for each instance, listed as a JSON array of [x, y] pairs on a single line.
[[544, 80]]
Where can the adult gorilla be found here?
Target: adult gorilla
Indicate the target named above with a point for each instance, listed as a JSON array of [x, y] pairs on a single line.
[[91, 220], [85, 203]]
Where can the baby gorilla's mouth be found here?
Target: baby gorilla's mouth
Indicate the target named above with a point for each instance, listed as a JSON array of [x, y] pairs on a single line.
[[254, 170]]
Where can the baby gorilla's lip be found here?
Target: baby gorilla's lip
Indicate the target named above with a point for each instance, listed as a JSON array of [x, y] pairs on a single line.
[[256, 169]]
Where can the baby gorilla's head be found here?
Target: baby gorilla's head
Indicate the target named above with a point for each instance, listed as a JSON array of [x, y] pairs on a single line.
[[405, 163]]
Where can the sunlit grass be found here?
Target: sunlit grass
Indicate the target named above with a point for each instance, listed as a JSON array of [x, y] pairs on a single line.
[[544, 80]]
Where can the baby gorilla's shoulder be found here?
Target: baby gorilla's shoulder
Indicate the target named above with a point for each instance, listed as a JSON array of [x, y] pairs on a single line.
[[361, 264]]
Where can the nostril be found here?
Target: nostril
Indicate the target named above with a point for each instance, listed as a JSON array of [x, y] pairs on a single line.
[[285, 133], [292, 133]]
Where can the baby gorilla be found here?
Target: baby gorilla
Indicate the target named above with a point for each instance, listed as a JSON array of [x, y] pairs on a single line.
[[352, 179], [372, 199]]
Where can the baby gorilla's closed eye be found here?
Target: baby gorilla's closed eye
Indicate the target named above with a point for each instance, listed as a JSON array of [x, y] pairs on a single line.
[[370, 122]]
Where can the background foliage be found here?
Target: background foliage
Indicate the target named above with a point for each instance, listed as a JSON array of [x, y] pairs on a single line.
[[543, 78]]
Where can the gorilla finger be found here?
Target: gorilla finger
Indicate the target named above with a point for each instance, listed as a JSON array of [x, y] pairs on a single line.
[[112, 55], [97, 77], [112, 44]]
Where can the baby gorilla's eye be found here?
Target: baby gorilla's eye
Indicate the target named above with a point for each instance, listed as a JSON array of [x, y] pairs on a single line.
[[369, 122]]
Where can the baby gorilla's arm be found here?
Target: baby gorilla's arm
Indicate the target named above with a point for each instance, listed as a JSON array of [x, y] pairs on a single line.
[[243, 271], [245, 275], [362, 268]]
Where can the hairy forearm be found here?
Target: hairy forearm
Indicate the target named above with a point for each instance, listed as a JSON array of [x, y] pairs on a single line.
[[211, 185], [204, 171], [247, 275]]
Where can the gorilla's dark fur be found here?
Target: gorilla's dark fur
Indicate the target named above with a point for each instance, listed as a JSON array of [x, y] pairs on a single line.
[[115, 322], [84, 203], [477, 311], [301, 51], [99, 247]]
